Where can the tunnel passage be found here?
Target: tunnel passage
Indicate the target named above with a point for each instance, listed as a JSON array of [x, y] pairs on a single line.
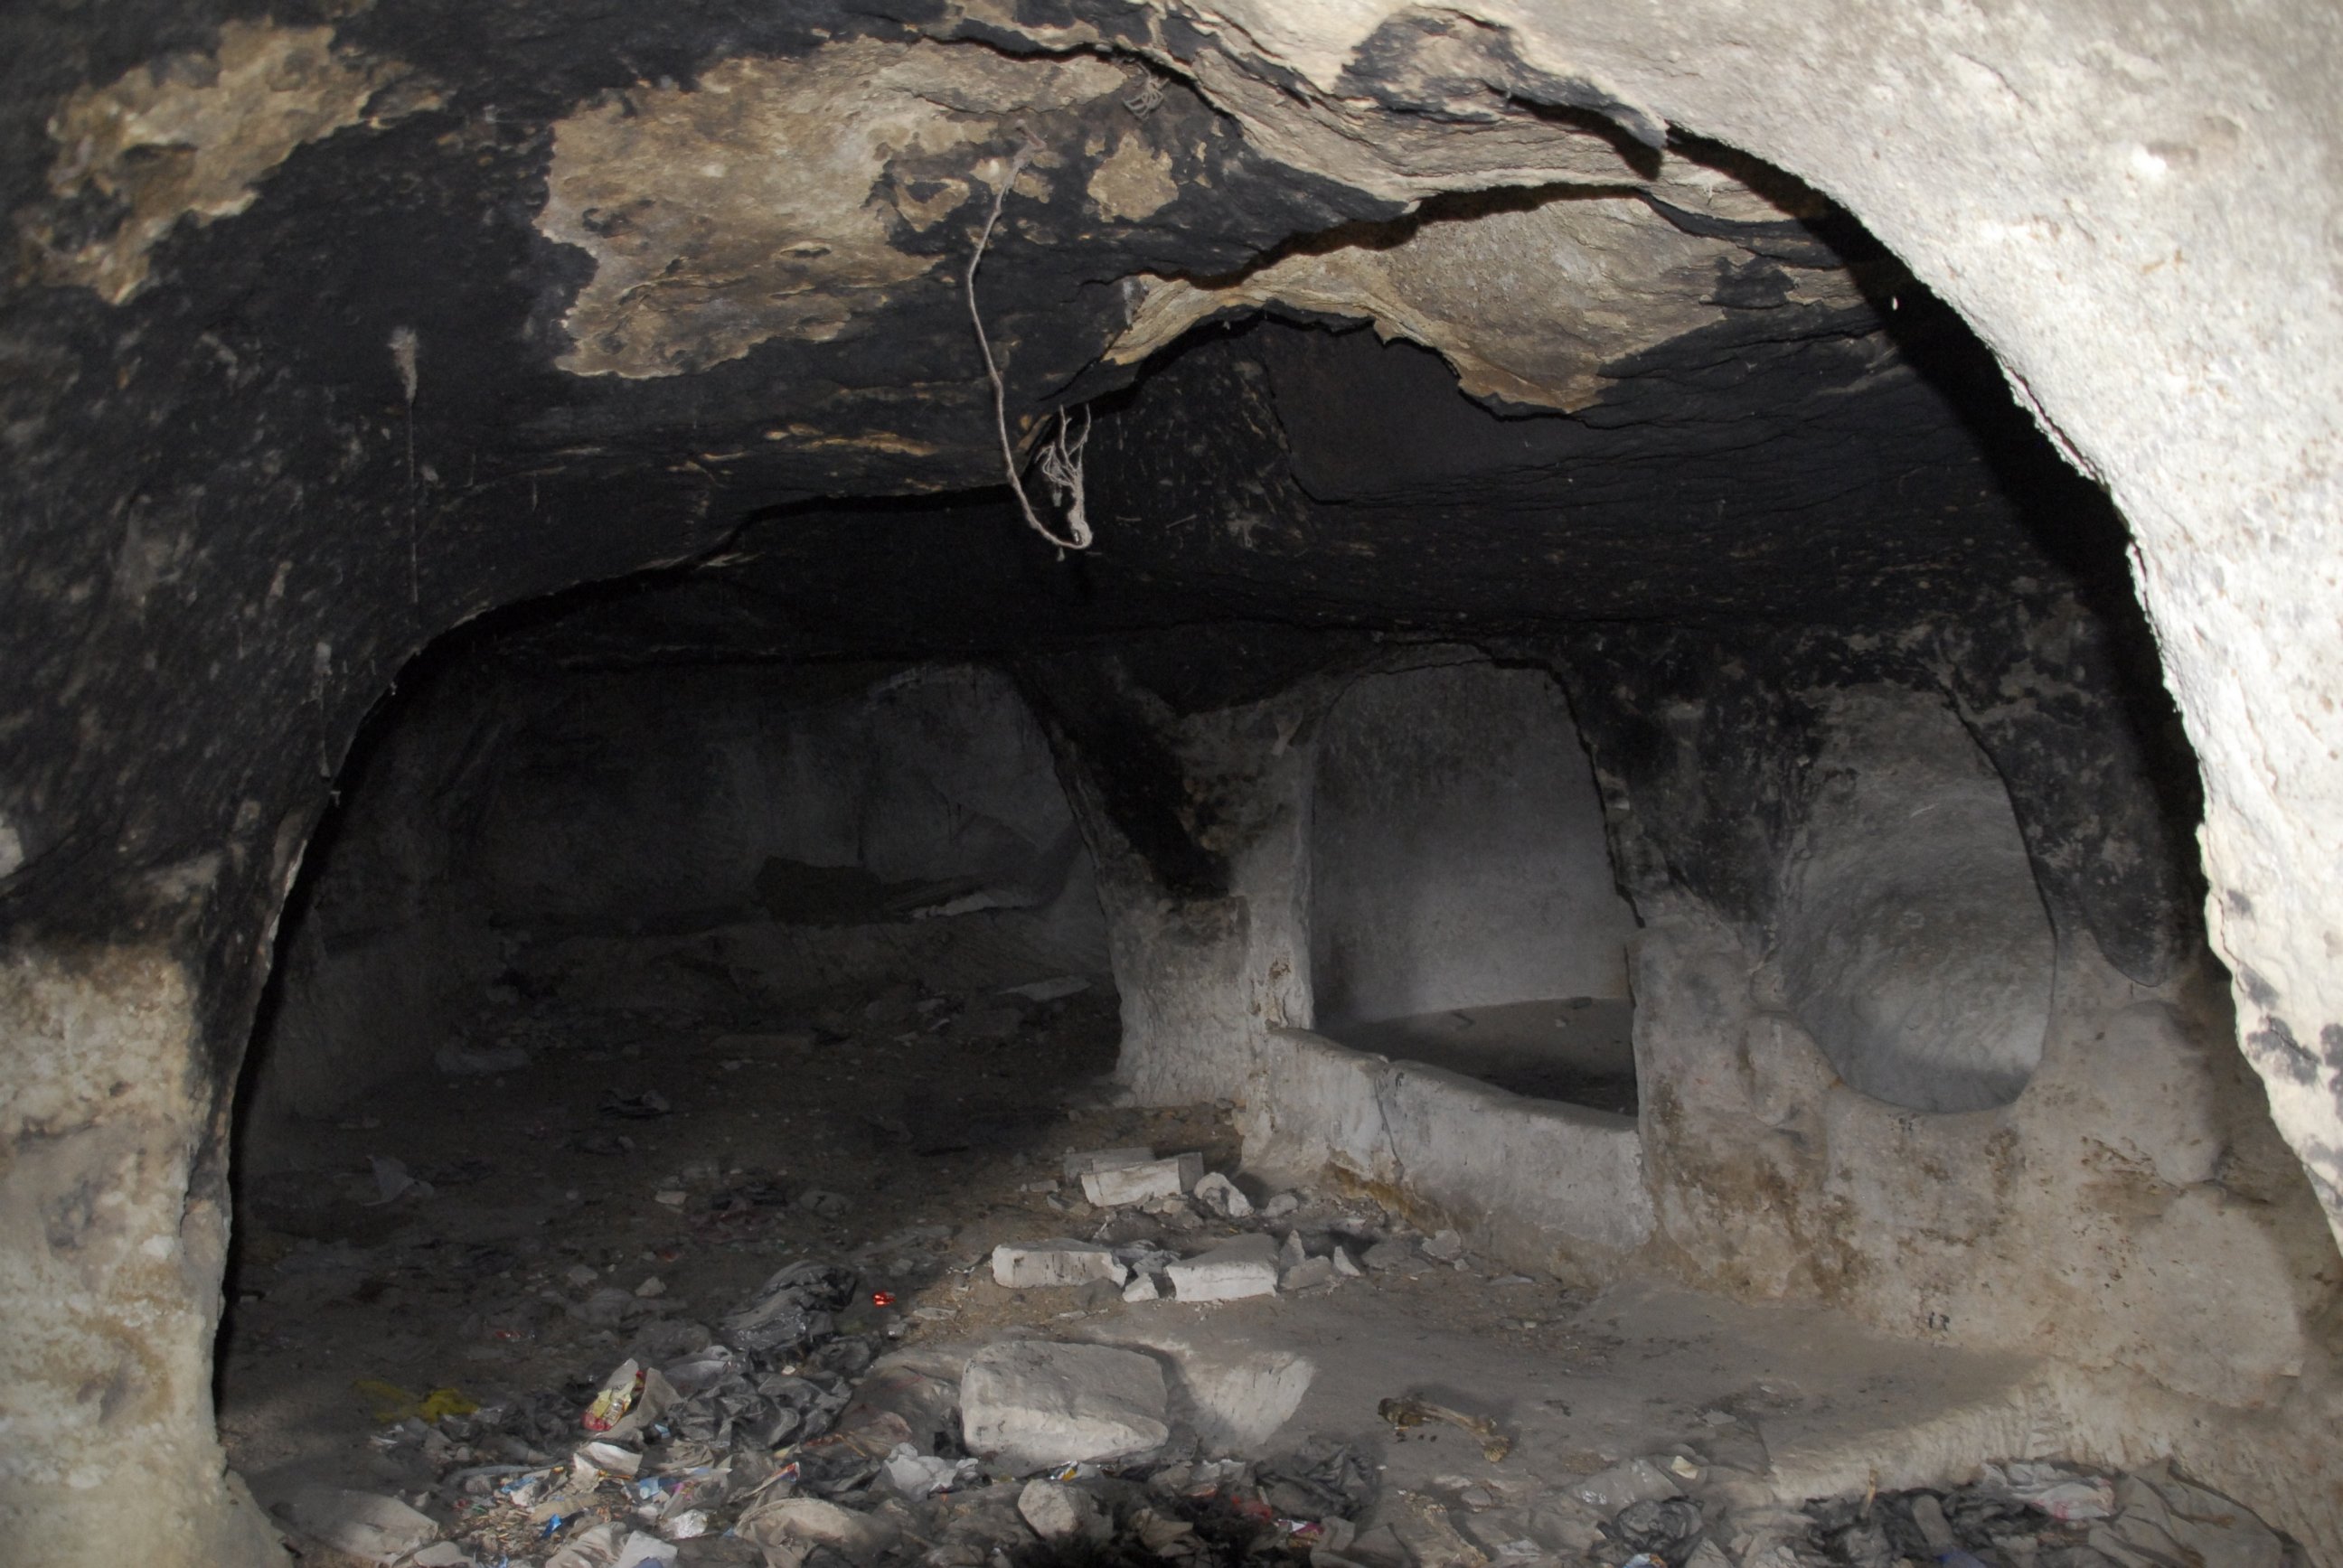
[[535, 853], [1463, 905]]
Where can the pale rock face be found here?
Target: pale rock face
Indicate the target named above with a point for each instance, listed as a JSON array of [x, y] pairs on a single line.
[[1528, 306], [109, 1275], [192, 136]]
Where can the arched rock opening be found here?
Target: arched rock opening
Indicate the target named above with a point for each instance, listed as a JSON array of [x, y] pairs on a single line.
[[535, 849], [1914, 948]]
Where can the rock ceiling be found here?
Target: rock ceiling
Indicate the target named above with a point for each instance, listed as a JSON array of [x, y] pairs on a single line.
[[434, 309]]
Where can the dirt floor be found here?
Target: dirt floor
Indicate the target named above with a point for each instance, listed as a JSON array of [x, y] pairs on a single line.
[[651, 1168]]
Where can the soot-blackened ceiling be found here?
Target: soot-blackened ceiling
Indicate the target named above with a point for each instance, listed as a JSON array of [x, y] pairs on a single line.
[[329, 332]]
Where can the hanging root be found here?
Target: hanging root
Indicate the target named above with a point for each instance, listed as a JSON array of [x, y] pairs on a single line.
[[1061, 457]]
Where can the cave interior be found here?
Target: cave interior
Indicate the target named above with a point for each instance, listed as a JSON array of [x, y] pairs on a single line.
[[1588, 726]]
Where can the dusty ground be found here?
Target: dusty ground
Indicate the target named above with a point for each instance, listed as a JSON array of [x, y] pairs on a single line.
[[907, 1135]]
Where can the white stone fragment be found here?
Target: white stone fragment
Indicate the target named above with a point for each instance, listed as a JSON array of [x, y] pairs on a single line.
[[1143, 1288], [1345, 1266], [1061, 1514], [1030, 1404], [1223, 1197], [1142, 1183], [1292, 1253], [1630, 1482], [362, 1523], [1054, 1263], [1244, 1267], [1081, 1162]]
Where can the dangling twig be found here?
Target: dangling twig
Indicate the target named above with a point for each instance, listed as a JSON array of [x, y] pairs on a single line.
[[1061, 459]]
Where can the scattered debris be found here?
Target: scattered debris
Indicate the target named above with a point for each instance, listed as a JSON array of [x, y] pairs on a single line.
[[1403, 1413], [887, 1401]]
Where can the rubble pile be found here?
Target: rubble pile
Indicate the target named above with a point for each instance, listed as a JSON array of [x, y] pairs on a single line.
[[814, 1426], [777, 1437], [782, 1431]]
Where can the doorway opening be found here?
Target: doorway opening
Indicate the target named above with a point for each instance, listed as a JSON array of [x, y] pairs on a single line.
[[1464, 912]]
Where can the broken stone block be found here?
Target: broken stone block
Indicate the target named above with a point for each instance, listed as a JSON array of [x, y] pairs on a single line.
[[1223, 1197], [1345, 1266], [1928, 1516], [1445, 1247], [1062, 1515], [1307, 1274], [1054, 1264], [1244, 1267], [1279, 1205], [362, 1523], [1083, 1162], [1291, 1253], [1143, 1288], [1144, 1183], [1030, 1403]]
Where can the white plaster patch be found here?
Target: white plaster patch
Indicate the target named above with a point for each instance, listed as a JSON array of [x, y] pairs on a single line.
[[756, 204], [1135, 182], [191, 136]]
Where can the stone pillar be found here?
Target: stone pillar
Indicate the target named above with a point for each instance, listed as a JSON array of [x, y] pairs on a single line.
[[110, 1266]]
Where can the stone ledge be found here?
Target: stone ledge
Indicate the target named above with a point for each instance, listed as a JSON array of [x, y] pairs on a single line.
[[1534, 1184]]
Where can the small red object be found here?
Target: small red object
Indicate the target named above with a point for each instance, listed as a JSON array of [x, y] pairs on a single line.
[[882, 1298]]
